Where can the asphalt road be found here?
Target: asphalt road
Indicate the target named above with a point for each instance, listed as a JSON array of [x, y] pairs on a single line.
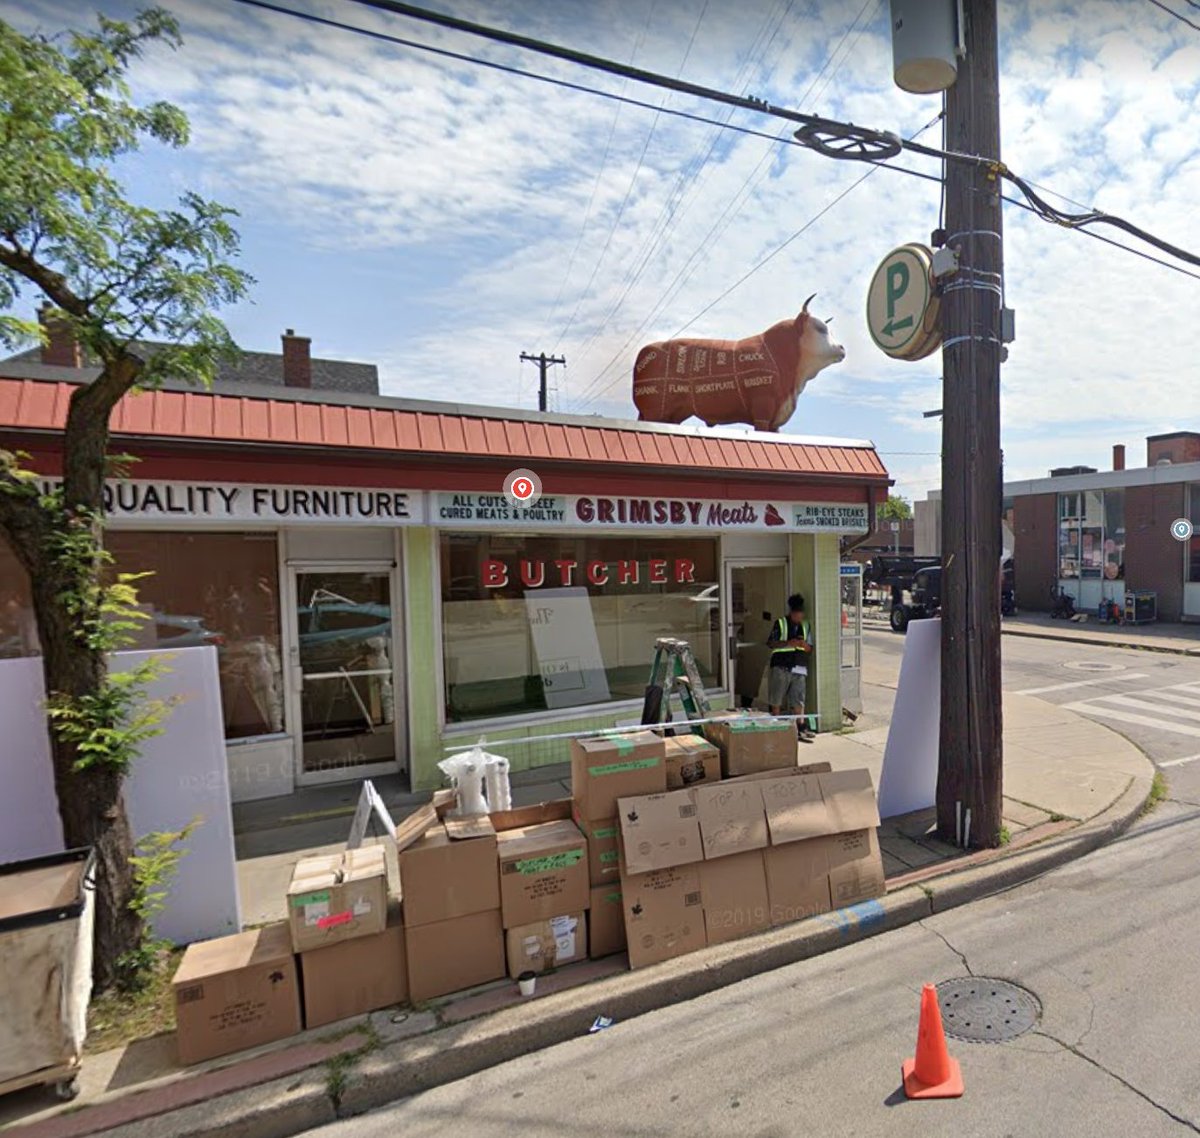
[[1107, 945]]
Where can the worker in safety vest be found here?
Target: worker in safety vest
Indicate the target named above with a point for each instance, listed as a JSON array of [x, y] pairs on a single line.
[[787, 678]]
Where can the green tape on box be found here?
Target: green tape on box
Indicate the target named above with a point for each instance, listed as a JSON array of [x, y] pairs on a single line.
[[614, 898], [549, 863], [624, 746], [621, 768], [608, 857], [605, 832], [306, 899], [757, 725]]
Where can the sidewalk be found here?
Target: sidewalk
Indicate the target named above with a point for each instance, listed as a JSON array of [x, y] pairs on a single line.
[[1180, 639], [1071, 785]]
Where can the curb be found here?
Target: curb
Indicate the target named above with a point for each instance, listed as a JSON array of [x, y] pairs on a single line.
[[1102, 642], [288, 1105]]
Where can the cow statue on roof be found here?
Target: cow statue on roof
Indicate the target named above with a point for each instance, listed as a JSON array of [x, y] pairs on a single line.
[[755, 381]]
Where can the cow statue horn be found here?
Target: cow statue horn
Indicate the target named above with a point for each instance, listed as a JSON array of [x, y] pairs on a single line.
[[804, 310]]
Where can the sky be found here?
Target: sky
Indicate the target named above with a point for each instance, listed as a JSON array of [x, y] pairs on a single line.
[[439, 218]]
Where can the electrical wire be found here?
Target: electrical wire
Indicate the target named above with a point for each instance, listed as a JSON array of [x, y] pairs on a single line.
[[813, 126], [1177, 15], [732, 208]]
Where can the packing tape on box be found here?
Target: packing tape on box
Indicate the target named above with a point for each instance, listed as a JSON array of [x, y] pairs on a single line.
[[546, 864]]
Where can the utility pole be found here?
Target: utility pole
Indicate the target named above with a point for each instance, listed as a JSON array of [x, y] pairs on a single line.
[[544, 362], [970, 755]]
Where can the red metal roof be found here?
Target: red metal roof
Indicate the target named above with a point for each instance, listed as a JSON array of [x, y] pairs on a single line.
[[39, 405]]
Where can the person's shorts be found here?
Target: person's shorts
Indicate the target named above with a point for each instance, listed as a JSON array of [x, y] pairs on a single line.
[[785, 689]]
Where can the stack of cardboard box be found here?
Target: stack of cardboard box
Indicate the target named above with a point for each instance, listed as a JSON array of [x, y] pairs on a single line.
[[705, 865], [752, 744], [450, 880], [605, 768]]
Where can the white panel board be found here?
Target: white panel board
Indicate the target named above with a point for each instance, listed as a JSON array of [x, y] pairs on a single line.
[[567, 647], [180, 774], [910, 760]]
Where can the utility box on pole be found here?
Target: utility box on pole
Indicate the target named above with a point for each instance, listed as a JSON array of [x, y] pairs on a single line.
[[925, 45]]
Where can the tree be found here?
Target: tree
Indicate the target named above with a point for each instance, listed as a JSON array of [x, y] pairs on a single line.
[[895, 509], [137, 289]]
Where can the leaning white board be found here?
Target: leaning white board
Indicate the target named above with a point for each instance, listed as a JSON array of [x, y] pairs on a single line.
[[181, 774], [566, 646], [910, 760]]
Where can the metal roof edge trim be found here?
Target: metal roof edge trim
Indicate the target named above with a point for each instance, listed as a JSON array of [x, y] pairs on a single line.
[[50, 374]]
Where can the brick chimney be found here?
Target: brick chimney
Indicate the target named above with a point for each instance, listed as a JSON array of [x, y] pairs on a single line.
[[60, 348], [297, 360], [1119, 457]]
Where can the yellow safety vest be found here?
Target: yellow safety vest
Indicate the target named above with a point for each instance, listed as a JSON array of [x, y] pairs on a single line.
[[782, 624]]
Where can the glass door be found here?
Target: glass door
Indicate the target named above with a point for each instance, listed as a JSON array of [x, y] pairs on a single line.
[[343, 673], [757, 594], [851, 637]]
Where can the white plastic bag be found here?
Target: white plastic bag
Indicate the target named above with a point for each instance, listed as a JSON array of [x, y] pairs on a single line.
[[465, 771], [495, 775]]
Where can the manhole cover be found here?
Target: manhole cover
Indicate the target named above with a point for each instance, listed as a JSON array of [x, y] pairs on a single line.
[[1093, 666], [986, 1011]]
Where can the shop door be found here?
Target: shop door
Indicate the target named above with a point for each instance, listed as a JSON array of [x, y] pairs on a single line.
[[851, 636], [756, 595], [345, 689]]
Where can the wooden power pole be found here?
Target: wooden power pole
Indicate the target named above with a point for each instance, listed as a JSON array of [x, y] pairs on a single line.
[[970, 756], [544, 363]]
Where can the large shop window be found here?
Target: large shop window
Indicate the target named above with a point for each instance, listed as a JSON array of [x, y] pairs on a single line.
[[205, 588], [1091, 535], [544, 623], [1194, 541]]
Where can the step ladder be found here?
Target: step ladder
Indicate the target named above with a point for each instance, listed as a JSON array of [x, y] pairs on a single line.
[[673, 672]]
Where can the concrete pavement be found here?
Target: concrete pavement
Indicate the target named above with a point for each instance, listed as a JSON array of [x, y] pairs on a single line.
[[1072, 784]]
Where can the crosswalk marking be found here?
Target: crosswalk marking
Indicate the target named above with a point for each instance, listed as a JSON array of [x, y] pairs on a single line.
[[1106, 679], [1186, 698], [1091, 707], [1180, 762]]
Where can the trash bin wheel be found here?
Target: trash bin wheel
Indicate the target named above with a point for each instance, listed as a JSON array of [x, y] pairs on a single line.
[[899, 619], [67, 1089]]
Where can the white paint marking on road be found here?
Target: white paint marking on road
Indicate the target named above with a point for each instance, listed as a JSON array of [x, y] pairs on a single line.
[[1188, 699], [1180, 762], [1145, 705], [1107, 679], [1084, 708]]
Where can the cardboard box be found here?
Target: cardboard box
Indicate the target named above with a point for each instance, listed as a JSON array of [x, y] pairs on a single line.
[[462, 827], [607, 767], [749, 745], [814, 806], [797, 880], [604, 856], [449, 956], [236, 992], [606, 921], [543, 872], [659, 831], [734, 892], [546, 944], [443, 879], [557, 810], [664, 914], [790, 772], [337, 898], [357, 976], [691, 759], [732, 818], [855, 868]]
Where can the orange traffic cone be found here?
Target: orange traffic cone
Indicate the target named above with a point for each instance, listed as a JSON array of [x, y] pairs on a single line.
[[932, 1073]]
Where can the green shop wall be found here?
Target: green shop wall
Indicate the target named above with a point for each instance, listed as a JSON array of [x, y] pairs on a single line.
[[816, 564]]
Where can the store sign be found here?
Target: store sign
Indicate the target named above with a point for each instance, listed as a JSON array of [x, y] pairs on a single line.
[[830, 517], [692, 514], [228, 502], [568, 572]]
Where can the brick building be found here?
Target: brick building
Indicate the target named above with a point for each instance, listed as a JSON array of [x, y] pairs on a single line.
[[1098, 534]]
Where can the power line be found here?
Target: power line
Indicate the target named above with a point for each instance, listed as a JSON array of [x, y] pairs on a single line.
[[732, 208], [632, 183], [1177, 15]]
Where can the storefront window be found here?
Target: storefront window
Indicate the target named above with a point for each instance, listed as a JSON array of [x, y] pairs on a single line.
[[1114, 535], [1194, 541], [1069, 521], [219, 589], [1091, 536], [204, 588], [543, 623]]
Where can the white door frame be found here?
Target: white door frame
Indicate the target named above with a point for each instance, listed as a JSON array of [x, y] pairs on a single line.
[[728, 565], [294, 680]]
